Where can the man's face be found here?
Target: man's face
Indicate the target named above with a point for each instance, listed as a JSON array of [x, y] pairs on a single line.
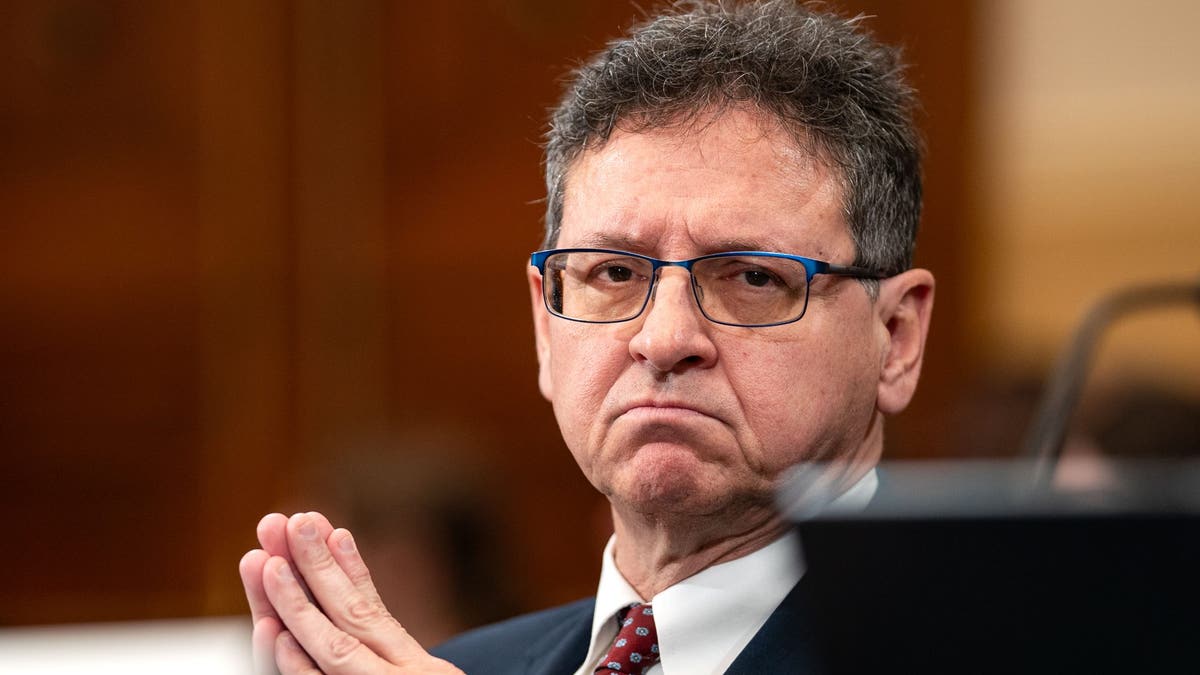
[[669, 412]]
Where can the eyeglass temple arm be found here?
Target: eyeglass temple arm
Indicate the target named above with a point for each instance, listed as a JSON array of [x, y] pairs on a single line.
[[851, 271]]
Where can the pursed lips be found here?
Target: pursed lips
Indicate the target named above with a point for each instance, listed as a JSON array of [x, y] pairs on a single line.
[[664, 409]]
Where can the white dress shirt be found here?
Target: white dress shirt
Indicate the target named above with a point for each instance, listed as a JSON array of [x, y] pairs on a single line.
[[706, 620]]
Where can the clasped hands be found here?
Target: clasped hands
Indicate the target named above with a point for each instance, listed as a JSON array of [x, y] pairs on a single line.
[[315, 608]]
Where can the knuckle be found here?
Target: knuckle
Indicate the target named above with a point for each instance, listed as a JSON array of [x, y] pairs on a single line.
[[297, 605], [364, 613], [322, 562], [359, 575], [342, 646]]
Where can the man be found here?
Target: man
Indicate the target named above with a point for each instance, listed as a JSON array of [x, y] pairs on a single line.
[[733, 195]]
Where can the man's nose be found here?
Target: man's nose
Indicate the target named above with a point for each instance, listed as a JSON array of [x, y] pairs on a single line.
[[674, 335]]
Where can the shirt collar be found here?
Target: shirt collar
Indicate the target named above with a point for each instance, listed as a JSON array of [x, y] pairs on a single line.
[[613, 594], [705, 621], [858, 496]]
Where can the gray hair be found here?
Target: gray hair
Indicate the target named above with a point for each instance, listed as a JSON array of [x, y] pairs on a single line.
[[832, 86]]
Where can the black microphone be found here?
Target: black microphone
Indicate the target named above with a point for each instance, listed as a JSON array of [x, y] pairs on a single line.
[[1044, 443]]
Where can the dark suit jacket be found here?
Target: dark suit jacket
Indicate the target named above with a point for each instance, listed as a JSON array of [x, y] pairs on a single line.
[[555, 642]]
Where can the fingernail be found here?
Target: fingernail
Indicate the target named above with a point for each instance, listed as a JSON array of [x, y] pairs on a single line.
[[307, 528], [285, 572], [347, 543]]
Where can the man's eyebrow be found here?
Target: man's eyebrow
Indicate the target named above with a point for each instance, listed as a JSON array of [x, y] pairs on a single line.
[[624, 242], [743, 245], [619, 241]]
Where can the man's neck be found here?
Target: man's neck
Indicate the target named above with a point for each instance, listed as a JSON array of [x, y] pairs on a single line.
[[654, 552]]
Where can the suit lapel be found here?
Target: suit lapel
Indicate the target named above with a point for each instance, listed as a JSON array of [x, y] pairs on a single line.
[[785, 643], [562, 648]]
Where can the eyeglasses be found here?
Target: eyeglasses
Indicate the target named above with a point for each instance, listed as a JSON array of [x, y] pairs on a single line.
[[739, 288]]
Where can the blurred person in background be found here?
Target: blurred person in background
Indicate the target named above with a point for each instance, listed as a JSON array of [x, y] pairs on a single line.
[[425, 517], [726, 291]]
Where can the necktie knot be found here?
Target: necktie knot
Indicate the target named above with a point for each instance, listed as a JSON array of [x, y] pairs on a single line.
[[636, 647]]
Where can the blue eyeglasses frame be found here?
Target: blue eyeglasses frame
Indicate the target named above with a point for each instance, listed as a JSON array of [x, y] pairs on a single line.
[[812, 267]]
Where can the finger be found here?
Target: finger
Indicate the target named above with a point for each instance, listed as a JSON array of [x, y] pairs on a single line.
[[262, 614], [251, 570], [332, 649], [397, 646], [324, 529], [266, 632], [351, 607], [271, 534], [345, 551], [291, 658], [310, 554]]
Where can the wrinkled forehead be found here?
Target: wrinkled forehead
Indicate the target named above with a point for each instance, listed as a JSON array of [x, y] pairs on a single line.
[[732, 180]]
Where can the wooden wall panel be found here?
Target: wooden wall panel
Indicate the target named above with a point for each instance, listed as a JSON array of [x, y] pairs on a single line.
[[99, 313], [246, 252]]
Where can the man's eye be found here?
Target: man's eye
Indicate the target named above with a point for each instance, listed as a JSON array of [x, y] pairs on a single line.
[[757, 277], [616, 273]]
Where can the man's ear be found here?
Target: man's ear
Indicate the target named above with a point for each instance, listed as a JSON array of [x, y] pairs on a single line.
[[904, 305], [541, 328]]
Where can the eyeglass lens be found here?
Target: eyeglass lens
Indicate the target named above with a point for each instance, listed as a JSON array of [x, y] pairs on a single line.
[[608, 286]]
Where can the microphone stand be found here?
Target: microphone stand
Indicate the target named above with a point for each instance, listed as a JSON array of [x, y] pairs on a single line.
[[1044, 443]]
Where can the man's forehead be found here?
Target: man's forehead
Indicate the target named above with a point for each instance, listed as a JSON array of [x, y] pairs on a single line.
[[719, 131], [734, 183]]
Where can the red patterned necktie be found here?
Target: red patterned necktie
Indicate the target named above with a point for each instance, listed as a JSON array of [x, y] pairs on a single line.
[[636, 646]]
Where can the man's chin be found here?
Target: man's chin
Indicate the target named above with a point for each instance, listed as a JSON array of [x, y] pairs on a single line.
[[671, 479]]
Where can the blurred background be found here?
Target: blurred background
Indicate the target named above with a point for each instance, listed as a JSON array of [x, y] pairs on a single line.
[[270, 256]]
